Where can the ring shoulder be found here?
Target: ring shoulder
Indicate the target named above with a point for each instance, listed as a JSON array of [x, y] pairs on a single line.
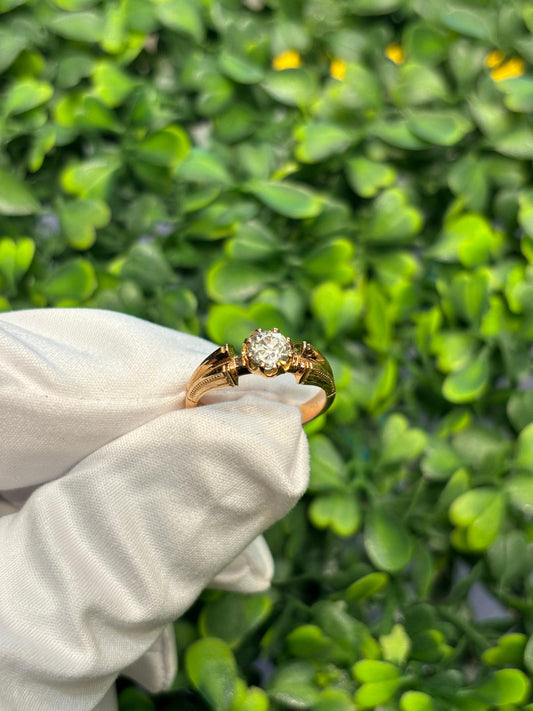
[[216, 371], [310, 367]]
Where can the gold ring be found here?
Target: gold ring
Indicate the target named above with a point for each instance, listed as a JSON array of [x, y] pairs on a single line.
[[267, 353]]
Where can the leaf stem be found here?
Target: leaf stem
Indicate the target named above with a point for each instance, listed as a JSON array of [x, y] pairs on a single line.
[[477, 639]]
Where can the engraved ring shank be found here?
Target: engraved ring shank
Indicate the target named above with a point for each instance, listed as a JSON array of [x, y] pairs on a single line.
[[223, 367]]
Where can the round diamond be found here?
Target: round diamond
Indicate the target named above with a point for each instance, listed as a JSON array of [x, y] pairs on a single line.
[[268, 348]]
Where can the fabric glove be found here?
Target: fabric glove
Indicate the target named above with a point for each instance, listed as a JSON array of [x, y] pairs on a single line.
[[118, 506]]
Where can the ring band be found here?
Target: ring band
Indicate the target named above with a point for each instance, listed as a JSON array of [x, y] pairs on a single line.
[[267, 353]]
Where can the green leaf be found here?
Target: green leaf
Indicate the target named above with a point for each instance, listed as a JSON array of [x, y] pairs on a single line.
[[457, 484], [11, 45], [528, 655], [111, 84], [350, 635], [317, 141], [397, 133], [371, 670], [286, 198], [469, 293], [467, 22], [425, 42], [253, 242], [360, 90], [83, 26], [6, 5], [440, 462], [294, 87], [366, 177], [469, 383], [292, 685], [416, 701], [378, 318], [468, 179], [508, 652], [216, 96], [524, 450], [380, 681], [387, 542], [333, 700], [92, 178], [80, 219], [16, 197], [212, 670], [374, 7], [92, 113], [235, 122], [73, 280], [338, 511], [236, 281], [382, 387], [328, 470], [308, 641], [453, 349], [202, 166], [336, 309], [520, 490], [525, 213], [399, 442], [508, 556], [468, 238], [27, 94], [132, 699], [429, 647], [507, 686], [240, 68], [442, 128], [366, 587], [480, 512], [392, 218], [183, 16], [167, 147], [233, 616], [15, 259], [147, 265], [418, 84], [396, 645], [518, 93], [256, 700], [331, 260], [424, 569], [374, 694], [516, 142]]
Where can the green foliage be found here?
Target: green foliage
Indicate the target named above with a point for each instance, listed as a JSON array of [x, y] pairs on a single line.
[[211, 668], [357, 174]]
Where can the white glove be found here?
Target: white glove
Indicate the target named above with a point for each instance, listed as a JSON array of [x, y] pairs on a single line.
[[118, 506]]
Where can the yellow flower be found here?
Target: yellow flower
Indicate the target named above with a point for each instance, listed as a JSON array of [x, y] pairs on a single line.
[[395, 52], [287, 60], [512, 68], [494, 59], [337, 69]]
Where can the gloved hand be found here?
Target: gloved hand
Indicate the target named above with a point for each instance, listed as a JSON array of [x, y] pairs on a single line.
[[117, 505]]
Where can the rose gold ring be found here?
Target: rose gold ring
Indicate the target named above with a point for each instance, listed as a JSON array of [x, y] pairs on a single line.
[[267, 353]]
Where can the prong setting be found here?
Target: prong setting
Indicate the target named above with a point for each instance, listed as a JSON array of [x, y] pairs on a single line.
[[268, 353]]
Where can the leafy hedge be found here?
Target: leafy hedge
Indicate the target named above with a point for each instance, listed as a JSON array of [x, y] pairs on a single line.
[[357, 173]]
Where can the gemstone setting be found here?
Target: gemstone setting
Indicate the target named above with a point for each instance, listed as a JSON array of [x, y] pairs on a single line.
[[268, 350]]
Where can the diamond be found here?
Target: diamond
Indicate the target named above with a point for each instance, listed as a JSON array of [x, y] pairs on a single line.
[[268, 349]]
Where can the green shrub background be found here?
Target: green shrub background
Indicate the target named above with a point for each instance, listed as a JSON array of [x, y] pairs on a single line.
[[155, 161]]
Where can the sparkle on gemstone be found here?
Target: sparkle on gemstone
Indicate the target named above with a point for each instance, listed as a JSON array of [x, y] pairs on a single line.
[[268, 348]]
